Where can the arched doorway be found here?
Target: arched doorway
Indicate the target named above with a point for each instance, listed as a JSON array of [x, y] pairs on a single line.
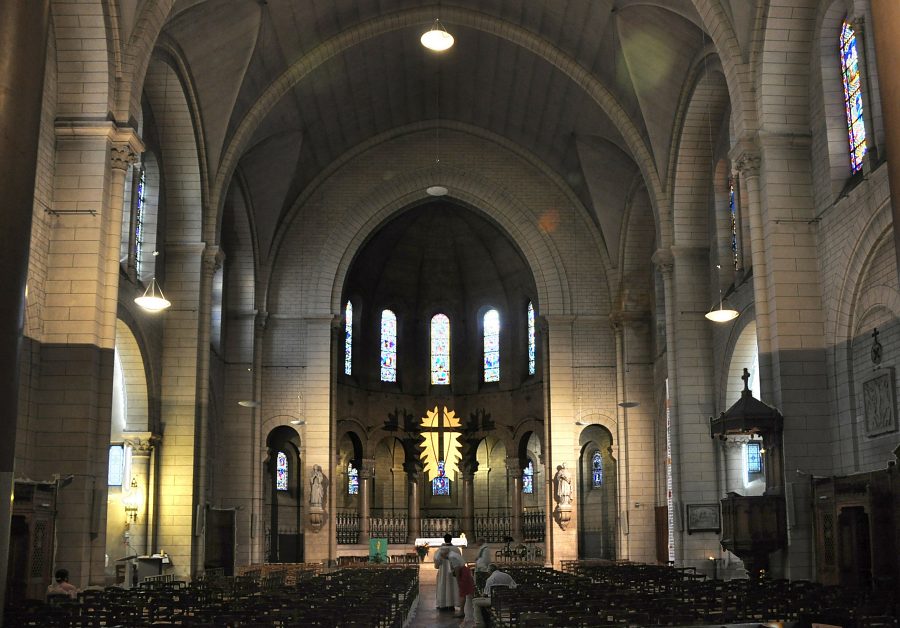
[[283, 490], [597, 481]]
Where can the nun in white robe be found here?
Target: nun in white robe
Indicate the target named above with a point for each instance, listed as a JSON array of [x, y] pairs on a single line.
[[447, 587]]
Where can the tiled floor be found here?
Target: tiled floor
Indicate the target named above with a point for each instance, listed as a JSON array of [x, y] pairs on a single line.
[[427, 616]]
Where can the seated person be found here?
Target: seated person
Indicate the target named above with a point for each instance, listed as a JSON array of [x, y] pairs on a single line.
[[497, 577], [62, 585]]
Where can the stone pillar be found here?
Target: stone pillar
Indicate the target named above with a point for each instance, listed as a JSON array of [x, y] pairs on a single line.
[[141, 475], [886, 29], [255, 437], [747, 162], [514, 484], [414, 513], [23, 46], [467, 494], [366, 474]]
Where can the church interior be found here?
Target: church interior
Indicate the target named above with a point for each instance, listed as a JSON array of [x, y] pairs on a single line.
[[318, 281]]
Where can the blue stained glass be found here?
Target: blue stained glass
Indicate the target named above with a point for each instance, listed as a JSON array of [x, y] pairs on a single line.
[[352, 480], [596, 470], [281, 472], [441, 484], [440, 349], [853, 101], [139, 221], [528, 478], [732, 208], [492, 346], [531, 347], [388, 346], [754, 458], [348, 339], [116, 465]]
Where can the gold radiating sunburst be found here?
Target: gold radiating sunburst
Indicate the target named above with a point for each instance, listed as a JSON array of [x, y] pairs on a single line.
[[440, 441]]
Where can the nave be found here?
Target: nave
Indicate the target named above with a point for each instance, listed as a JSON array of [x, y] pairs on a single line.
[[585, 594]]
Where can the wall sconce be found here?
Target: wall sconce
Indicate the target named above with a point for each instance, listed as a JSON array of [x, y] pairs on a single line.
[[132, 502]]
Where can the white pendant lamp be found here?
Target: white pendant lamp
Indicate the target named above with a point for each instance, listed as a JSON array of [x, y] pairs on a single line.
[[153, 299], [721, 314], [437, 39]]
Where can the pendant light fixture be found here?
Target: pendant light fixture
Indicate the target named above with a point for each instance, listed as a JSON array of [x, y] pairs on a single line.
[[437, 39], [721, 314], [153, 299]]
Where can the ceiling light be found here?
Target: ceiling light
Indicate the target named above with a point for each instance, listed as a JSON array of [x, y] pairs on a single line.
[[629, 404], [153, 299], [248, 403], [298, 422], [721, 315], [437, 39], [437, 190], [581, 423]]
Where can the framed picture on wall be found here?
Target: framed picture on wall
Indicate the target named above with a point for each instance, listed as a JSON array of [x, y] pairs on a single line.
[[703, 518]]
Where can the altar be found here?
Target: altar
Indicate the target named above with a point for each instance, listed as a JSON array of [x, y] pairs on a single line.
[[436, 541]]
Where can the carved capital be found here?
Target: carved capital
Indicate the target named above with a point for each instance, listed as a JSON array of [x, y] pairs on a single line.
[[748, 163], [213, 258], [367, 468], [122, 155], [664, 261], [261, 321]]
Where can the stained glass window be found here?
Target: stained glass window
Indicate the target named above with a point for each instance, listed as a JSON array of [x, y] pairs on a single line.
[[281, 472], [853, 99], [116, 465], [596, 470], [352, 480], [531, 347], [492, 346], [440, 485], [754, 458], [348, 339], [440, 349], [388, 346], [528, 478], [140, 201], [732, 210]]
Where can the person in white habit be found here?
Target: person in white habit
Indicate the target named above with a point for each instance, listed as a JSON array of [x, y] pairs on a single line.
[[447, 587]]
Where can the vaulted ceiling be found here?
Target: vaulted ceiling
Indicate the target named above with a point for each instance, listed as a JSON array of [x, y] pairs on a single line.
[[382, 79]]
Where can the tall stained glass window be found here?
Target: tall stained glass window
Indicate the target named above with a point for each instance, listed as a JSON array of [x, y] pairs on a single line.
[[352, 480], [440, 349], [596, 470], [440, 485], [141, 199], [281, 472], [754, 458], [528, 478], [116, 465], [853, 99], [531, 347], [348, 339], [388, 346], [492, 346], [732, 210]]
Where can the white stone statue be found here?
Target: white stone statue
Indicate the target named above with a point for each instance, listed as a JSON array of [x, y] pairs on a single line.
[[563, 485], [317, 487]]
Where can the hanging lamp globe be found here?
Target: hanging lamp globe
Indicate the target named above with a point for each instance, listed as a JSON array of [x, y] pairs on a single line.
[[437, 39], [153, 299], [721, 314]]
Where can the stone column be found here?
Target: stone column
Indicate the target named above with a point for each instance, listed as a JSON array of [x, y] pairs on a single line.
[[886, 29], [665, 264], [141, 474], [467, 494], [514, 484], [255, 437], [414, 514], [366, 474], [23, 46], [747, 163]]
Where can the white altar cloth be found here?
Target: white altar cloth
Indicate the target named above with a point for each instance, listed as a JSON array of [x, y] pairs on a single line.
[[435, 542]]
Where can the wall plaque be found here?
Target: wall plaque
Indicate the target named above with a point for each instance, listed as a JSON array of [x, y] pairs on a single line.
[[879, 406]]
